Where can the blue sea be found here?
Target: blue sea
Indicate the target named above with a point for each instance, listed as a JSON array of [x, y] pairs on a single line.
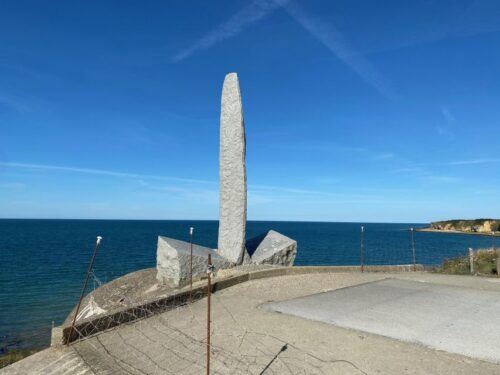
[[43, 262]]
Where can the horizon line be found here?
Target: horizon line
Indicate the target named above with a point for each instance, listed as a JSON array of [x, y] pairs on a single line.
[[251, 220]]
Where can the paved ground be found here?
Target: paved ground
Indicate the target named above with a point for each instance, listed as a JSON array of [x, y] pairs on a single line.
[[455, 319], [249, 339]]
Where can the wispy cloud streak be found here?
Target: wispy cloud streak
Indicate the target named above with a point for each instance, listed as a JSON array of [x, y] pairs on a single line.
[[473, 161], [385, 156], [102, 172], [12, 185], [250, 14], [13, 103], [325, 32], [142, 179], [333, 39]]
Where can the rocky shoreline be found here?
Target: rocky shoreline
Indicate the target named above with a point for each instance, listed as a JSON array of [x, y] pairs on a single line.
[[481, 227]]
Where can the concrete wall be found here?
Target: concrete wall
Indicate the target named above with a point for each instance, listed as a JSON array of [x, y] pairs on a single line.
[[94, 325]]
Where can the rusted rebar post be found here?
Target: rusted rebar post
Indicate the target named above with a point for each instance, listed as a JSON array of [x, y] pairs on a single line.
[[413, 250], [98, 241], [191, 230], [209, 292], [362, 250]]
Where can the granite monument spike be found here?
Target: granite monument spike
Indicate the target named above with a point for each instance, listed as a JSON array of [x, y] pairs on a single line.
[[232, 172], [173, 257]]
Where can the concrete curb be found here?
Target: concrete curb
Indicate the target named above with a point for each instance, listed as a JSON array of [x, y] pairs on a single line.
[[94, 325]]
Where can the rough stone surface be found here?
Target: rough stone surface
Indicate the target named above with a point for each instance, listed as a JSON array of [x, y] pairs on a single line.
[[271, 248], [232, 170], [173, 261]]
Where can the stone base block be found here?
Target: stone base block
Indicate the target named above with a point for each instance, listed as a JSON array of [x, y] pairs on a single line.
[[271, 248], [173, 261]]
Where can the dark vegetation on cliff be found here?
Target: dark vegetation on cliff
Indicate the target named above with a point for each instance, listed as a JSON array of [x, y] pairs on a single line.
[[15, 355], [485, 264], [476, 225]]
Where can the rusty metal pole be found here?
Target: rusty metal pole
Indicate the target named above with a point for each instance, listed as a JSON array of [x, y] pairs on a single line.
[[191, 230], [98, 241], [413, 250], [209, 292], [471, 260], [362, 250]]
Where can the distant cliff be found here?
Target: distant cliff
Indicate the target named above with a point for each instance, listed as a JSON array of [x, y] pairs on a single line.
[[468, 226]]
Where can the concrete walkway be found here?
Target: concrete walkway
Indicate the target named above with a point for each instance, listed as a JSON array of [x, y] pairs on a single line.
[[455, 319], [248, 338]]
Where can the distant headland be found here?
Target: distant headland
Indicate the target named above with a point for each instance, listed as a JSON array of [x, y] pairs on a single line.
[[476, 226]]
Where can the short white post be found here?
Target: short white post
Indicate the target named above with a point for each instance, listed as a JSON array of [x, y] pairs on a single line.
[[471, 260]]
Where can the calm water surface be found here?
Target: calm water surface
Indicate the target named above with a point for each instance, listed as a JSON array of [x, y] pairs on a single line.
[[43, 262]]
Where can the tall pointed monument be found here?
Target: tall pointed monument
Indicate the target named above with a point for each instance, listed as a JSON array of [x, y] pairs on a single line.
[[232, 172], [175, 263]]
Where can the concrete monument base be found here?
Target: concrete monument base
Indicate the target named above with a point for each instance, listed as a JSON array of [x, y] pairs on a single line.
[[271, 248], [173, 258]]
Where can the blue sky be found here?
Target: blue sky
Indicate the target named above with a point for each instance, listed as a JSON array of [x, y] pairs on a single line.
[[355, 110]]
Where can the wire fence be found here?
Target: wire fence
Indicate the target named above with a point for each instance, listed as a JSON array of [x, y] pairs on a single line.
[[181, 341], [478, 262], [131, 335], [186, 340]]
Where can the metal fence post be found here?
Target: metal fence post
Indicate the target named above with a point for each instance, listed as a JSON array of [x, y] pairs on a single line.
[[498, 262], [362, 250], [471, 260], [191, 230], [413, 250], [98, 241], [209, 292]]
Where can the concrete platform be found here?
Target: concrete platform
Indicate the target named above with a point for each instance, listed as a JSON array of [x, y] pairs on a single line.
[[250, 339], [451, 318]]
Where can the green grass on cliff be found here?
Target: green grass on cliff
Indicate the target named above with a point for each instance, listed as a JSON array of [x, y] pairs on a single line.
[[464, 223], [15, 355], [484, 264]]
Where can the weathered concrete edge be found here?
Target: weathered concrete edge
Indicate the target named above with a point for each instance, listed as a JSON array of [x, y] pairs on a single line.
[[92, 326]]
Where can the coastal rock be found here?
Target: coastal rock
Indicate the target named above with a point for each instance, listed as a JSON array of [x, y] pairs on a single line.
[[271, 248], [233, 179], [173, 261], [468, 226]]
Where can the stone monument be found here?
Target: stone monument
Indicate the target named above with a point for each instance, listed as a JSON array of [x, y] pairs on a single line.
[[233, 175], [173, 257]]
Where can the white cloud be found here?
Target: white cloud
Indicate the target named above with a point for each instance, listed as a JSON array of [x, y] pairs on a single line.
[[439, 179], [333, 39], [447, 114], [407, 170], [102, 172], [385, 156], [473, 161], [13, 103], [325, 32], [142, 180], [12, 185], [233, 26]]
